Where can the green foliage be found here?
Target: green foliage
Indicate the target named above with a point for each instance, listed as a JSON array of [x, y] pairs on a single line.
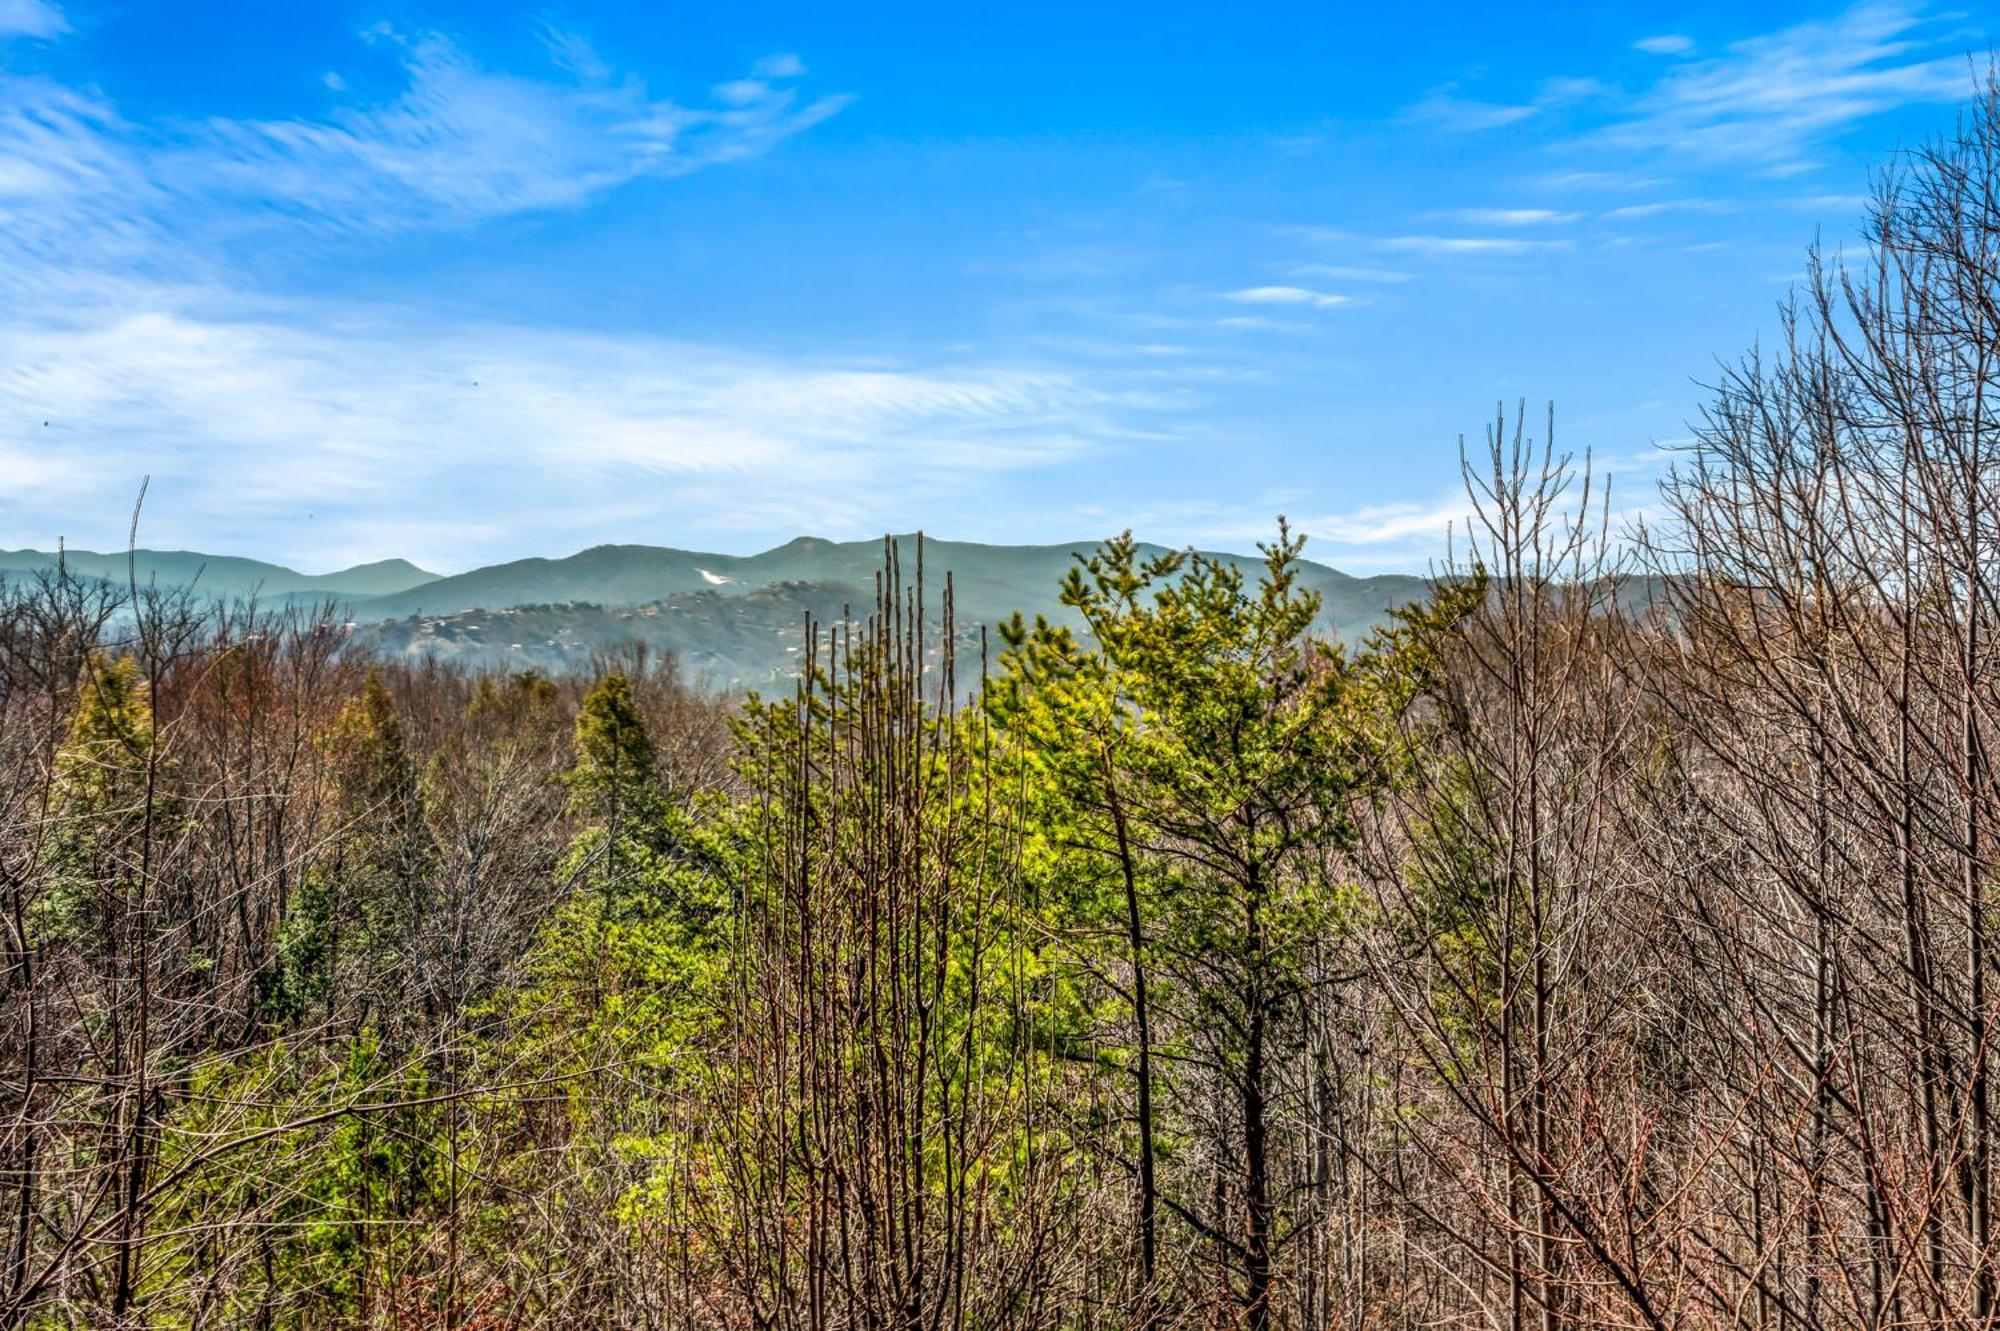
[[898, 958], [616, 772], [103, 757], [343, 1154], [1209, 719], [372, 765], [100, 792], [526, 695], [344, 945], [1188, 774], [300, 980], [619, 999]]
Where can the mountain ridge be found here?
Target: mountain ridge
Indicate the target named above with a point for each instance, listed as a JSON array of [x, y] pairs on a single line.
[[630, 574], [734, 619], [224, 576]]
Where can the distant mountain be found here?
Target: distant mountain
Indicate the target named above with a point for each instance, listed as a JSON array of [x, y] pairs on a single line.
[[751, 640], [732, 619], [989, 581], [735, 619], [224, 577]]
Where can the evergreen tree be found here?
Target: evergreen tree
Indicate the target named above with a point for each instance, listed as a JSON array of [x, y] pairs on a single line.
[[1212, 748], [616, 771], [100, 787], [344, 947]]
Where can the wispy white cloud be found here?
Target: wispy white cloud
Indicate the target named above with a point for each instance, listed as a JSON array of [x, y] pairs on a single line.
[[463, 142], [1666, 43], [247, 418], [79, 213], [784, 65], [1606, 181], [89, 199], [1445, 245], [31, 18], [1770, 99], [1445, 108], [1387, 524], [1631, 211], [1263, 323], [1765, 101], [1512, 216], [307, 428], [1283, 295], [1339, 272], [1403, 535]]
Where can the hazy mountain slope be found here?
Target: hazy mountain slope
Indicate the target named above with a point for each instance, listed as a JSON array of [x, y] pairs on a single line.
[[603, 574], [749, 640], [223, 576], [733, 619], [736, 620], [989, 581], [380, 578]]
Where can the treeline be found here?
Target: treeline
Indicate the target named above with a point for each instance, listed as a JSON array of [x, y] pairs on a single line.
[[1611, 942]]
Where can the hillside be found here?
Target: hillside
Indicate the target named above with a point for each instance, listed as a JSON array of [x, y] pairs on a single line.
[[223, 577], [989, 581], [731, 643], [731, 619], [734, 620]]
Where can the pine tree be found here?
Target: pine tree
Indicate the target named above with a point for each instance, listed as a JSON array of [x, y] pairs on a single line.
[[342, 949], [616, 776], [1213, 749], [100, 781]]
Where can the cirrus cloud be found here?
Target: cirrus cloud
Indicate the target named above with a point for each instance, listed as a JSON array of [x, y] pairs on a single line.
[[31, 18], [132, 343], [1287, 295]]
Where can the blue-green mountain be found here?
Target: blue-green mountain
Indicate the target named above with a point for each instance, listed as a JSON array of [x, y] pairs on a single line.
[[735, 620]]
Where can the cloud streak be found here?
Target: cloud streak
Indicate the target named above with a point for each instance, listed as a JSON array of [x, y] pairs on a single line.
[[268, 414], [463, 143], [31, 18], [306, 428], [1523, 217], [1768, 100], [1285, 295], [1446, 109], [83, 188], [1451, 245], [1666, 43]]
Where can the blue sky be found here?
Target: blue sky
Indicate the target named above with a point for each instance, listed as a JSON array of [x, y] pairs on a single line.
[[465, 282]]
